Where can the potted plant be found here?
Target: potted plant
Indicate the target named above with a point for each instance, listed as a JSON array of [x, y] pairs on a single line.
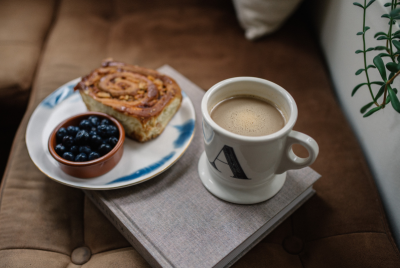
[[389, 71]]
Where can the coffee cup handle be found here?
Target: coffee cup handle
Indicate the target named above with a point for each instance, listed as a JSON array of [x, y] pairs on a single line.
[[292, 161]]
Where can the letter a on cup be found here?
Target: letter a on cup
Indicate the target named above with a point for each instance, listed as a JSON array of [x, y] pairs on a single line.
[[229, 159]]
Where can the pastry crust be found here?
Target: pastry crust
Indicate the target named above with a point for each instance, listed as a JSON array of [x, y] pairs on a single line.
[[143, 100]]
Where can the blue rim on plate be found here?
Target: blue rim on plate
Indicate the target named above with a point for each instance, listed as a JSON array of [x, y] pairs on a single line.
[[140, 162]]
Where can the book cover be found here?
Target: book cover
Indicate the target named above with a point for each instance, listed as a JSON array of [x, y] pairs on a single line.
[[173, 221]]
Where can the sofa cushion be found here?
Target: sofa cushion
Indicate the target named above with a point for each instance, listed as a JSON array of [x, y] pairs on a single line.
[[343, 225], [262, 17]]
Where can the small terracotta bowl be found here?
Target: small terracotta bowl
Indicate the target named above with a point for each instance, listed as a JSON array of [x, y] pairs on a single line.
[[94, 168]]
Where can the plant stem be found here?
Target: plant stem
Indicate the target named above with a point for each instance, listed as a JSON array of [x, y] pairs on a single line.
[[386, 85], [387, 46], [365, 55], [390, 34]]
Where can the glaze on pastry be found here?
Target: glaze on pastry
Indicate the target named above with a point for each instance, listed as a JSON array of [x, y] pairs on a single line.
[[143, 100]]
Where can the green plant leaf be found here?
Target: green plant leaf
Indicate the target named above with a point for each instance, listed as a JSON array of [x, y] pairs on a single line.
[[381, 38], [380, 83], [396, 44], [360, 33], [388, 4], [379, 33], [370, 3], [395, 12], [396, 36], [365, 107], [356, 88], [373, 110], [382, 55], [366, 28], [369, 49], [358, 4], [391, 66], [385, 16], [359, 71], [378, 62], [396, 32], [394, 99], [380, 92], [371, 66], [358, 51], [395, 90], [380, 48]]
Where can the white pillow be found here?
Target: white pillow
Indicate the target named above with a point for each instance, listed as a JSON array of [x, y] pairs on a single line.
[[261, 17]]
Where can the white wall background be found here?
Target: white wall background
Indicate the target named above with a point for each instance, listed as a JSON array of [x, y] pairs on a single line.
[[337, 22]]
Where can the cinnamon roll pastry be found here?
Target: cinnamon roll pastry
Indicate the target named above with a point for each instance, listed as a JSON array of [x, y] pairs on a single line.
[[143, 100]]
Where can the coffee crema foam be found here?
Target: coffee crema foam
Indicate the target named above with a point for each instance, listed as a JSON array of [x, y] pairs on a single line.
[[248, 116]]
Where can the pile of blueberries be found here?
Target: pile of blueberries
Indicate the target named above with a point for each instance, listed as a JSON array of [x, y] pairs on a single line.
[[88, 141]]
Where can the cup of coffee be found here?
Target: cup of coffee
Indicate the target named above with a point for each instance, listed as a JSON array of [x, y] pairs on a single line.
[[248, 137]]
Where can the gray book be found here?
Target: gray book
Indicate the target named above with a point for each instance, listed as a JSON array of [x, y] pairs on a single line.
[[173, 221]]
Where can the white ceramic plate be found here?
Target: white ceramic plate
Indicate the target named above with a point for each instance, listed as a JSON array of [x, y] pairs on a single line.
[[140, 161]]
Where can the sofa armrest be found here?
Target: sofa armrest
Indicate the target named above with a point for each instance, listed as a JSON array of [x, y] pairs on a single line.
[[23, 28]]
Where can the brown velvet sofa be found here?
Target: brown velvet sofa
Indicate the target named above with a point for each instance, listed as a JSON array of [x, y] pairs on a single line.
[[46, 43]]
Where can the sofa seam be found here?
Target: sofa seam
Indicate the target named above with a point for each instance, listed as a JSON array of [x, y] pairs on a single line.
[[331, 236], [104, 251], [39, 249], [21, 42]]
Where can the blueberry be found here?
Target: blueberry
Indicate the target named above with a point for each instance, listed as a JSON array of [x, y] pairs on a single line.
[[104, 149], [112, 141], [85, 124], [94, 155], [85, 149], [93, 131], [82, 137], [112, 131], [72, 130], [68, 141], [102, 131], [60, 134], [68, 156], [82, 157], [95, 141], [105, 122], [60, 149], [94, 120], [74, 149]]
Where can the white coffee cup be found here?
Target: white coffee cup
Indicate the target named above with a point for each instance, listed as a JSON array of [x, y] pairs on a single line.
[[244, 169]]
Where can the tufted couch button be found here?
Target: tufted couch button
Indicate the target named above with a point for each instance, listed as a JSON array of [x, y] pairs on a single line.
[[80, 255], [293, 245]]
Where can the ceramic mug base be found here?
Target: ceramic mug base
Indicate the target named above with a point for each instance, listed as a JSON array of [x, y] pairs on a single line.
[[234, 195]]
